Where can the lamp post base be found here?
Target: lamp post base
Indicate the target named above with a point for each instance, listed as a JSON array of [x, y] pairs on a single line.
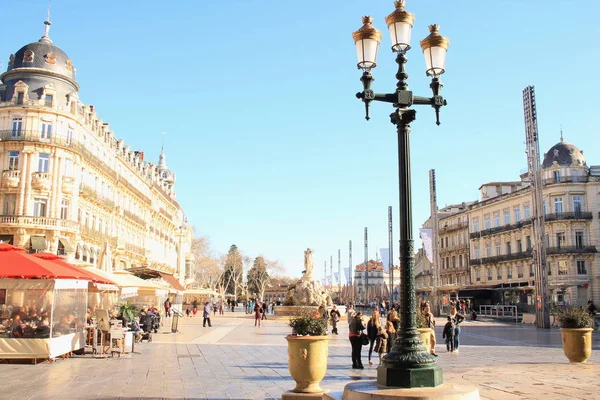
[[405, 377]]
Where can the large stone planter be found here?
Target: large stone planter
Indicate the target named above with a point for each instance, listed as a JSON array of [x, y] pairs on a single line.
[[577, 344], [307, 359], [425, 334]]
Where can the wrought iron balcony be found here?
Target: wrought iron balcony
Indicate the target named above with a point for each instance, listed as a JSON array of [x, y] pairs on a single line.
[[90, 233], [38, 222], [500, 229], [571, 250], [577, 215], [132, 248], [450, 227], [458, 247], [502, 258], [134, 218], [566, 179], [568, 280], [91, 194]]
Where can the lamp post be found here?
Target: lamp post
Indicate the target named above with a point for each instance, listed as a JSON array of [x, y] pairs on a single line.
[[409, 364]]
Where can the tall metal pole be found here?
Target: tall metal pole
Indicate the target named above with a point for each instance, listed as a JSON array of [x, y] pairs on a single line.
[[351, 269], [331, 272], [325, 275], [434, 242], [340, 274], [539, 232], [366, 267], [391, 253]]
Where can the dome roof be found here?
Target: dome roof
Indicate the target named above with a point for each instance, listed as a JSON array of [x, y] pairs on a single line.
[[42, 54], [565, 154]]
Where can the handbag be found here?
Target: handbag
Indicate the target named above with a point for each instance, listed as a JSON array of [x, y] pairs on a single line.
[[364, 339]]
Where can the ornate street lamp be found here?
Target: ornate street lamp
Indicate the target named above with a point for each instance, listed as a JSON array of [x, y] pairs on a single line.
[[409, 364]]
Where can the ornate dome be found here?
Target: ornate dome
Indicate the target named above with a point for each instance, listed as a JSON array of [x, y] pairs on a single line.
[[565, 154], [43, 55]]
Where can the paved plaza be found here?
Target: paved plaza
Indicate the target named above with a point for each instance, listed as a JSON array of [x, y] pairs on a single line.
[[235, 360]]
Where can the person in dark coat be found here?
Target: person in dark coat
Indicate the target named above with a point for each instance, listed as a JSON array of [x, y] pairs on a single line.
[[355, 327], [258, 314], [206, 315]]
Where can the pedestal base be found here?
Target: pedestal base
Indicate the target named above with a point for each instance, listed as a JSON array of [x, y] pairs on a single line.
[[427, 377], [289, 395], [372, 391]]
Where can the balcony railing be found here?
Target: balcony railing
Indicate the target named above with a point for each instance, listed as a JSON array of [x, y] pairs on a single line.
[[90, 233], [462, 246], [132, 248], [566, 179], [499, 229], [568, 280], [11, 174], [454, 226], [577, 215], [453, 270], [41, 222], [90, 193], [502, 258], [134, 218], [571, 250]]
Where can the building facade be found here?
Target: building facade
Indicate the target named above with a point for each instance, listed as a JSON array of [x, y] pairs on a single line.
[[485, 251], [378, 282], [70, 186]]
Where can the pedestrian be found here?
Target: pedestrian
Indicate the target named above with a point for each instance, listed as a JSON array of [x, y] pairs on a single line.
[[456, 319], [188, 312], [264, 308], [592, 311], [258, 314], [448, 334], [206, 315], [381, 342], [389, 328], [356, 327], [372, 328], [167, 305], [430, 323], [335, 317], [232, 305], [394, 318], [215, 309], [221, 308]]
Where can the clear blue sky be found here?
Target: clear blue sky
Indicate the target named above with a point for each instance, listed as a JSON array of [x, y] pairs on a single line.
[[269, 144]]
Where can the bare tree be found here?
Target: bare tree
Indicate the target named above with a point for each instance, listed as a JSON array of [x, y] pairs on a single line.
[[207, 270], [259, 276]]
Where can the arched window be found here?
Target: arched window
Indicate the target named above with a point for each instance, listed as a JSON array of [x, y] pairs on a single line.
[[28, 56]]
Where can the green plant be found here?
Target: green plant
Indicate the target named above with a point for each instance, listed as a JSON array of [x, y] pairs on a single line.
[[421, 320], [129, 311], [574, 317], [308, 323]]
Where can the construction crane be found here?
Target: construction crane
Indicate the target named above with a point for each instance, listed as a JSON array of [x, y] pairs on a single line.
[[542, 301]]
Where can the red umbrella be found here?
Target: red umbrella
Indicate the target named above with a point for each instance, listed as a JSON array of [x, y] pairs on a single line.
[[80, 272], [15, 263]]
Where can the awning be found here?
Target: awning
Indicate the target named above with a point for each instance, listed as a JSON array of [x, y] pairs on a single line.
[[172, 281], [7, 239], [67, 245], [127, 292], [105, 287], [38, 242]]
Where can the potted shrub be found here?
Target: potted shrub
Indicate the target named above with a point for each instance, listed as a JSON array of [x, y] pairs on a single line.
[[576, 333], [128, 311], [307, 350]]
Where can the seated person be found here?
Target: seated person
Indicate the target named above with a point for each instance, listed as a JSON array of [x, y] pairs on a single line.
[[43, 329], [63, 327], [16, 328]]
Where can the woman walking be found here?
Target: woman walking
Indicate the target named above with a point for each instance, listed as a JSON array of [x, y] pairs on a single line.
[[457, 319], [258, 314], [356, 327], [372, 328], [391, 331]]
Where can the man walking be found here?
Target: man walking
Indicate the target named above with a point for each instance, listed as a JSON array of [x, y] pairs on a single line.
[[335, 317], [206, 315]]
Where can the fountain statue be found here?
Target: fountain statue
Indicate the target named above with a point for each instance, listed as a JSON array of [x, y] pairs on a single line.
[[307, 291]]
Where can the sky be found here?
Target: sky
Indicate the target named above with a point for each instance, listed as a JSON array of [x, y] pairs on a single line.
[[257, 99]]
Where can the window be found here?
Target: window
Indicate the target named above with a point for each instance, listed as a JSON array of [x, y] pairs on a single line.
[[10, 204], [496, 220], [517, 214], [527, 212], [520, 271], [563, 268], [17, 127], [506, 217], [43, 162], [519, 246], [487, 222], [545, 207], [476, 225], [20, 98], [549, 267], [509, 272], [499, 273], [498, 249], [532, 269], [460, 260], [446, 241], [453, 261], [581, 267], [69, 135], [508, 249], [579, 239], [13, 160], [488, 250], [64, 209], [39, 207], [556, 176], [477, 274], [477, 252], [46, 130], [48, 100], [558, 205], [489, 274], [577, 204], [528, 242], [560, 239]]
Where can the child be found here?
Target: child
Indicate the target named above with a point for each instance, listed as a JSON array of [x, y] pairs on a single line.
[[381, 342], [448, 334]]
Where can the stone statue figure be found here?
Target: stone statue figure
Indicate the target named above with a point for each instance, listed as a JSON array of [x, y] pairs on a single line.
[[308, 264]]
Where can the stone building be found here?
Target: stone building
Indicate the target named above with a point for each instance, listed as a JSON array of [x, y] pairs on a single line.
[[378, 281], [69, 186], [497, 264]]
